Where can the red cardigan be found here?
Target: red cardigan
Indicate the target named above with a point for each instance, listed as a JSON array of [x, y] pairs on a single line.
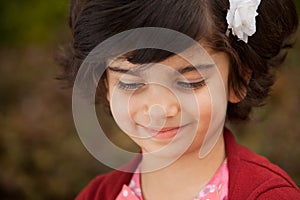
[[250, 177]]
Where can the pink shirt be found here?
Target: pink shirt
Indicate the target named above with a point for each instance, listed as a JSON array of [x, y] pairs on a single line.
[[216, 189]]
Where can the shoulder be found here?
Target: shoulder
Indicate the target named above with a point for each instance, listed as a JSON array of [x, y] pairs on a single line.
[[254, 177], [106, 186]]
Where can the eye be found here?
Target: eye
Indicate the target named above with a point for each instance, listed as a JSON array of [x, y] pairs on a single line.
[[191, 85], [129, 86]]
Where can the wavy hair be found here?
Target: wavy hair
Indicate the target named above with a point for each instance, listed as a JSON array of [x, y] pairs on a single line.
[[93, 21]]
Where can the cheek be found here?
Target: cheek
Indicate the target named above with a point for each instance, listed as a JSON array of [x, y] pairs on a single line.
[[198, 106], [204, 108], [134, 105], [120, 108]]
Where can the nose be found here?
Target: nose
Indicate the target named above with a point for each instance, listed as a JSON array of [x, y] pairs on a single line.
[[160, 102]]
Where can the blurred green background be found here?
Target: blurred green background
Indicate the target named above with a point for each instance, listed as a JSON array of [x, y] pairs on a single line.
[[41, 156]]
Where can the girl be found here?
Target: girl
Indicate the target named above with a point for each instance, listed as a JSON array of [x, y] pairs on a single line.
[[173, 104]]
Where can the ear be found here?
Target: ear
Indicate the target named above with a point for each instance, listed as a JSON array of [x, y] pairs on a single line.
[[233, 97]]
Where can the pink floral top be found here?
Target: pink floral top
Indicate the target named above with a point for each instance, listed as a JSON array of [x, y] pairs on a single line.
[[216, 189]]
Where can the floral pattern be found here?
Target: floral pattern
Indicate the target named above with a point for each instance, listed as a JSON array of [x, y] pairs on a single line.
[[216, 189]]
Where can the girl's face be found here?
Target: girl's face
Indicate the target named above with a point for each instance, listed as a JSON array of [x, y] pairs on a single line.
[[167, 104]]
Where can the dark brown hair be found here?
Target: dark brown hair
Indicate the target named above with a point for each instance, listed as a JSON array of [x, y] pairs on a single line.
[[93, 21]]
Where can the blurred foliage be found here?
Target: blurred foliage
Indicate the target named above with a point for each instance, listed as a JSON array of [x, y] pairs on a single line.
[[41, 156], [30, 21]]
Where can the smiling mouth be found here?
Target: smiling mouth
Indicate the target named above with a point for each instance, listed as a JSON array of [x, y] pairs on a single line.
[[164, 133]]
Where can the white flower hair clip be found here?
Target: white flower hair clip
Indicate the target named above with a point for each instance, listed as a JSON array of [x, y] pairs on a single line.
[[241, 18]]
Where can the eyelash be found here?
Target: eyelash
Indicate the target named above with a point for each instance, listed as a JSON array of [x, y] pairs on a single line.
[[129, 86], [191, 85], [184, 85]]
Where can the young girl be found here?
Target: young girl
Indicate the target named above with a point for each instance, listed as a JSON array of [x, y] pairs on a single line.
[[173, 104]]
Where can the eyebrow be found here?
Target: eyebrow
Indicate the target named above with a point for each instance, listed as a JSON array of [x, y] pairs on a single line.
[[194, 68], [136, 71]]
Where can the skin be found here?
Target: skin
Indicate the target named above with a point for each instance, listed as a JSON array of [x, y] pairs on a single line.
[[159, 111]]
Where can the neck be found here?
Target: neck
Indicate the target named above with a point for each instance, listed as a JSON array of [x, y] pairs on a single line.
[[189, 170]]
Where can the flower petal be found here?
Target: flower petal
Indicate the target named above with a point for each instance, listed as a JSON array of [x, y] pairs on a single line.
[[241, 18]]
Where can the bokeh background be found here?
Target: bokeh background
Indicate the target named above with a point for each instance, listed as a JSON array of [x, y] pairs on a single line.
[[41, 156]]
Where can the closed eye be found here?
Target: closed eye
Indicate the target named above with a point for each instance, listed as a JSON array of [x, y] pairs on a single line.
[[191, 85], [129, 86]]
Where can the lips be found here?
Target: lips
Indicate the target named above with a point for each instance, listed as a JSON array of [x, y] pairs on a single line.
[[163, 133]]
